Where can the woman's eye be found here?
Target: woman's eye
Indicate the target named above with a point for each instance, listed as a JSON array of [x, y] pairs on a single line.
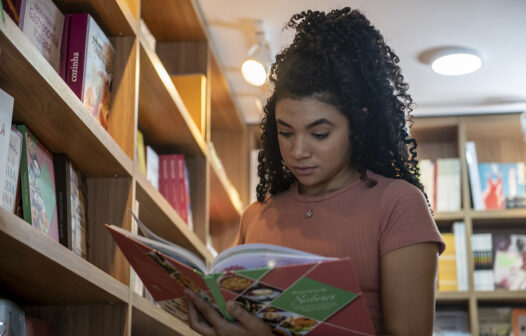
[[285, 134], [320, 135]]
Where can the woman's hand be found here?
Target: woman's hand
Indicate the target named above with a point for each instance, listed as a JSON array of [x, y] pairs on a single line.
[[216, 325]]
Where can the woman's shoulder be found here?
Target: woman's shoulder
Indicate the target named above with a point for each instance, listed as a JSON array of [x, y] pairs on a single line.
[[257, 207], [395, 188]]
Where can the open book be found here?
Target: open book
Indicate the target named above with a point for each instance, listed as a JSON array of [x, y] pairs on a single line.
[[294, 292]]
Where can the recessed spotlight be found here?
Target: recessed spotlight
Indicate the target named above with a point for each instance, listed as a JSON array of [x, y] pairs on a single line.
[[456, 61]]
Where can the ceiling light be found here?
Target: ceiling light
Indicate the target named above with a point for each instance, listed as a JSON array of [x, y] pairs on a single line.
[[255, 68], [457, 61]]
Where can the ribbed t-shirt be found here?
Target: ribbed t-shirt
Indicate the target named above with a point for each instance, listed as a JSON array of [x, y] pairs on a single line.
[[358, 221]]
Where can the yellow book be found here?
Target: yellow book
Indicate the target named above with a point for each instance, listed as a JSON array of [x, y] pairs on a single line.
[[140, 152], [447, 265]]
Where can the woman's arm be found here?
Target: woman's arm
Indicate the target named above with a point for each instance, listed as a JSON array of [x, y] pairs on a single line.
[[408, 280]]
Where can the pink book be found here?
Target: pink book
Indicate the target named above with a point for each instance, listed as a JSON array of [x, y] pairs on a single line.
[[169, 183], [88, 65]]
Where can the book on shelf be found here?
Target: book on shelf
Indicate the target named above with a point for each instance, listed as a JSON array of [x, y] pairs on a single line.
[[502, 184], [474, 178], [452, 264], [494, 321], [11, 185], [482, 248], [290, 290], [12, 318], [173, 183], [518, 321], [87, 66], [152, 167], [447, 186], [71, 205], [37, 180], [141, 153], [42, 22], [6, 116], [509, 261], [427, 178], [451, 323]]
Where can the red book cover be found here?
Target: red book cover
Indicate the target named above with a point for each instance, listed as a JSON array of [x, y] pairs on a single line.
[[169, 185], [293, 292], [37, 180], [181, 184]]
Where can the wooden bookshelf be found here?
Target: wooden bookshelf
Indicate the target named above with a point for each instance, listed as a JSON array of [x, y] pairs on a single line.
[[498, 138], [50, 281]]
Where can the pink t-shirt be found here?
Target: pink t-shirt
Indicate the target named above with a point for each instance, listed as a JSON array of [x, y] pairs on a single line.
[[357, 221]]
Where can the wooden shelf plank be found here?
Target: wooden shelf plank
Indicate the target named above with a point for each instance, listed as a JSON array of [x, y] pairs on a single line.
[[225, 205], [52, 111], [501, 296], [159, 17], [114, 16], [163, 220], [35, 269], [452, 296], [498, 214], [163, 118], [148, 319], [448, 216]]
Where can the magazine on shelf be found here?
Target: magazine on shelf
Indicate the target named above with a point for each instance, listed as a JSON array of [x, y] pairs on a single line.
[[290, 290]]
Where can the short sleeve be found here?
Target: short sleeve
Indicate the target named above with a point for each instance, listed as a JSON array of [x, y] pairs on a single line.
[[405, 218]]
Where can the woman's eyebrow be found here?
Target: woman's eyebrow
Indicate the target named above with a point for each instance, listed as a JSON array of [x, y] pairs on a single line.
[[311, 125]]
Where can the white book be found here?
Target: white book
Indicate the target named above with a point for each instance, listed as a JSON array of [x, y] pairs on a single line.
[[43, 23], [152, 167], [427, 177], [12, 170], [459, 229], [448, 185], [474, 178], [6, 116], [254, 178]]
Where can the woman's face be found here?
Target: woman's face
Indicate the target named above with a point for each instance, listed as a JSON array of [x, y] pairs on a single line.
[[314, 143]]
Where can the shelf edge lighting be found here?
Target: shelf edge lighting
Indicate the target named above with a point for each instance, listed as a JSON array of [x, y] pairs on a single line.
[[456, 62]]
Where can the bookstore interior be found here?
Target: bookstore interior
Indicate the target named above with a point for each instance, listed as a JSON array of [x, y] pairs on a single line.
[[120, 112]]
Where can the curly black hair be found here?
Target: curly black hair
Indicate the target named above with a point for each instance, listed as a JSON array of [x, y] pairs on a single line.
[[341, 59]]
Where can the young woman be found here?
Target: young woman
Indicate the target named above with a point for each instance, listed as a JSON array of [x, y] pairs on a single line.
[[339, 176]]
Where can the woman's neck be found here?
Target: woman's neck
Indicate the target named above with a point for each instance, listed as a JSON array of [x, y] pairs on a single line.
[[313, 191]]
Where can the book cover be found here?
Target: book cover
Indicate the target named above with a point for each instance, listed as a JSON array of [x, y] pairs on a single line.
[[141, 154], [447, 265], [171, 182], [152, 167], [10, 190], [89, 64], [292, 291], [510, 261], [43, 23], [474, 177], [502, 184], [183, 183], [518, 321], [6, 116], [448, 185], [12, 318], [37, 180], [494, 321], [71, 205]]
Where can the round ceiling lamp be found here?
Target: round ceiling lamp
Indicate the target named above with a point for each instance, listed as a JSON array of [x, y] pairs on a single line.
[[456, 61]]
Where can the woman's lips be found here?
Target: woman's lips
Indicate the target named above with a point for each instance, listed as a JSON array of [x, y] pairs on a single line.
[[303, 171]]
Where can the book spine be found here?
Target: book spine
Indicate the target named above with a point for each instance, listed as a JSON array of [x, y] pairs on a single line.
[[24, 176], [474, 178], [63, 70], [459, 230], [181, 192], [12, 173], [60, 162], [78, 28]]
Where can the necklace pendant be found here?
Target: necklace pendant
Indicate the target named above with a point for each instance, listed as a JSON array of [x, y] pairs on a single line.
[[308, 214]]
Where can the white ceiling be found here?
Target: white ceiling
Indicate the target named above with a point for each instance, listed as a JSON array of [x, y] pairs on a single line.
[[496, 28]]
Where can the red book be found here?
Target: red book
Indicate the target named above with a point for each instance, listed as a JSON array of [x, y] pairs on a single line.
[[172, 183]]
